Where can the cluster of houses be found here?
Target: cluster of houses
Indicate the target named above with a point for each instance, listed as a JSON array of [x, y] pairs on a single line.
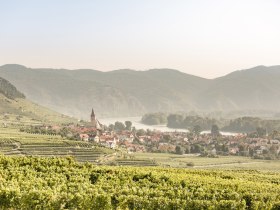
[[96, 133], [166, 142], [157, 141]]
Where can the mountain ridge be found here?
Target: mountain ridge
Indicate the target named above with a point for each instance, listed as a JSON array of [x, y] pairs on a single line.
[[129, 92], [259, 68]]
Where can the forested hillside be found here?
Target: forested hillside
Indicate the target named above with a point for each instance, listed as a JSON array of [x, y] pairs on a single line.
[[8, 90], [133, 93]]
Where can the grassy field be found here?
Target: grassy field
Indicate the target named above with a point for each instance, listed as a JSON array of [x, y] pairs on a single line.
[[222, 162]]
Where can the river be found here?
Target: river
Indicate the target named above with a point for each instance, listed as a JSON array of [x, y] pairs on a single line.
[[136, 122]]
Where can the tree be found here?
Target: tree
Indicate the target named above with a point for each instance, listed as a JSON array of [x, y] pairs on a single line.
[[175, 121], [166, 138], [111, 127], [243, 150], [119, 126], [149, 132], [261, 131], [274, 149], [187, 149], [154, 119], [251, 152], [141, 132], [179, 150], [196, 148], [275, 134], [196, 130], [63, 132], [215, 130], [128, 125]]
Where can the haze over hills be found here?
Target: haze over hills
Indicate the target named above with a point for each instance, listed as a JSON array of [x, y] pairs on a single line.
[[13, 104], [133, 93]]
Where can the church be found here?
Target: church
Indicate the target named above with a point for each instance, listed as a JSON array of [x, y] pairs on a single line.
[[95, 123]]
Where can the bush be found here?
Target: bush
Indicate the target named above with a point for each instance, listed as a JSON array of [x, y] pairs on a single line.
[[190, 164]]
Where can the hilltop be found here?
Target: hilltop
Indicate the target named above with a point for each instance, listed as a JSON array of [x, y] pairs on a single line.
[[132, 93]]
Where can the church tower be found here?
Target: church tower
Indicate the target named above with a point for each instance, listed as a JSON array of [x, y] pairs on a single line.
[[95, 123], [93, 119]]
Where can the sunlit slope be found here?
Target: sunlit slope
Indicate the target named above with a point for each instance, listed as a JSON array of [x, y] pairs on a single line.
[[15, 108]]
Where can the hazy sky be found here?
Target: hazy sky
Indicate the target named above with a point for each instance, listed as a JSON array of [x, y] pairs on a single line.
[[208, 38]]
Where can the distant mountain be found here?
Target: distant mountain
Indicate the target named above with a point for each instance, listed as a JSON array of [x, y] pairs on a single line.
[[130, 93], [14, 104], [253, 89]]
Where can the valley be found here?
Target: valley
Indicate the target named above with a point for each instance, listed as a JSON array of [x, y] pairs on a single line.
[[140, 105], [105, 156]]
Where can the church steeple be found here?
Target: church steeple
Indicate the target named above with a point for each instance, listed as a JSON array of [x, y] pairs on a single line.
[[95, 123], [92, 113], [92, 118]]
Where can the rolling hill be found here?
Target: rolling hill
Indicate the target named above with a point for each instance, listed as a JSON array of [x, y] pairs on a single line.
[[15, 108], [131, 93]]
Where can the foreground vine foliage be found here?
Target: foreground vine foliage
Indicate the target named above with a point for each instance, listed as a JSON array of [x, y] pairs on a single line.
[[62, 183]]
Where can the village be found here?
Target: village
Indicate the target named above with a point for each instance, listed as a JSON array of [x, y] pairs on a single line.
[[125, 136]]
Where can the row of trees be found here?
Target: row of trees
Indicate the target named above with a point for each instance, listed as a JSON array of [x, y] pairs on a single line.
[[250, 124], [154, 119], [181, 121], [193, 122], [120, 126]]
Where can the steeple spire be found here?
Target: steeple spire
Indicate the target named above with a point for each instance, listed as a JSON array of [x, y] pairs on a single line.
[[92, 118], [94, 122]]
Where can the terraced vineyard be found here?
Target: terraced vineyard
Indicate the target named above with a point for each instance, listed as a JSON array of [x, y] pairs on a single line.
[[15, 143]]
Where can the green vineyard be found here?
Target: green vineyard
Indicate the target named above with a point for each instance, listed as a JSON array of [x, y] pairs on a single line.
[[62, 183], [15, 143]]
